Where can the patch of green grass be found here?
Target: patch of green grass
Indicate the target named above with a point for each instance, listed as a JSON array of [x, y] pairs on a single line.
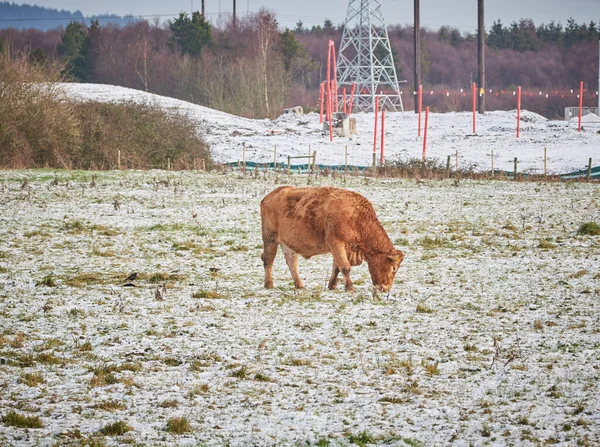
[[240, 373], [32, 379], [362, 439], [430, 243], [209, 294], [178, 426], [169, 403], [198, 390], [73, 226], [110, 405], [14, 419], [589, 229], [47, 281], [118, 428], [545, 244], [260, 377]]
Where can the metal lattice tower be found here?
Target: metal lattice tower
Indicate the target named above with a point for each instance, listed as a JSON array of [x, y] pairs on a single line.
[[365, 58]]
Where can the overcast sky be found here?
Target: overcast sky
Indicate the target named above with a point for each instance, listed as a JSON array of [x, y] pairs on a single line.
[[460, 14]]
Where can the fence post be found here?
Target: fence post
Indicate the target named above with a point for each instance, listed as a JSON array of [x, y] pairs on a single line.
[[346, 165], [457, 161], [314, 160], [589, 173], [448, 166], [545, 159], [119, 159], [492, 162], [516, 162], [289, 164], [244, 158], [168, 163]]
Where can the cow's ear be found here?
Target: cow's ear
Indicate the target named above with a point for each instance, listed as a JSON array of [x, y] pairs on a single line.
[[392, 259]]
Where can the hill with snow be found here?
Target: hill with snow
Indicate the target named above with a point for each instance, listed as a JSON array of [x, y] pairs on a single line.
[[567, 149]]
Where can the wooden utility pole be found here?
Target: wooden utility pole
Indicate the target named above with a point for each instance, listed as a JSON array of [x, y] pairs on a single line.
[[203, 10], [417, 42], [481, 55], [234, 14]]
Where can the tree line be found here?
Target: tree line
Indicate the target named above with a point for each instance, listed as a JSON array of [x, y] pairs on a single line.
[[253, 68]]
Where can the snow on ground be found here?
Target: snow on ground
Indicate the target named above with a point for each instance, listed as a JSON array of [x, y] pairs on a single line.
[[567, 149], [490, 335]]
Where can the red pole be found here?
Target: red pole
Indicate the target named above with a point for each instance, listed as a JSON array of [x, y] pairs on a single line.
[[382, 134], [580, 105], [519, 112], [375, 131], [335, 86], [425, 132], [329, 82], [351, 98], [330, 108], [474, 95], [345, 105], [420, 108], [321, 96]]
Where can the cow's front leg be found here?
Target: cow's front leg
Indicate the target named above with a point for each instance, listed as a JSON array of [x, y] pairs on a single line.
[[340, 259], [334, 275], [291, 258], [268, 256]]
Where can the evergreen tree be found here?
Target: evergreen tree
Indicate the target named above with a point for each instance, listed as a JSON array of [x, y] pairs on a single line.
[[190, 35]]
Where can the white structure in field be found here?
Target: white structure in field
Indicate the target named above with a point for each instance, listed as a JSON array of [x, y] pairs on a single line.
[[365, 59]]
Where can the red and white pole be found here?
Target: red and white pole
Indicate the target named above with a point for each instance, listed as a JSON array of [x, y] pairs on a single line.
[[351, 99], [519, 112], [580, 106], [375, 131], [425, 133], [474, 100], [345, 104], [420, 108], [381, 159], [335, 85], [321, 99]]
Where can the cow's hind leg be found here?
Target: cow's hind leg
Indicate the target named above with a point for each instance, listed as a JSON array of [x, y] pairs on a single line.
[[334, 275], [291, 258], [340, 261], [268, 257]]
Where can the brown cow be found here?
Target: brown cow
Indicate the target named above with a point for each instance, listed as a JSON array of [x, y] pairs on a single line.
[[315, 221]]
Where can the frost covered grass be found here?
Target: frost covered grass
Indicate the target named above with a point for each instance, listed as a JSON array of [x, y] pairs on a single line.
[[490, 334]]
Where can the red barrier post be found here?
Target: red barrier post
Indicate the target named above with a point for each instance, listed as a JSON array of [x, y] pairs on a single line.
[[330, 108], [420, 108], [375, 131], [321, 96], [335, 86], [329, 82], [425, 133], [519, 112], [474, 100], [580, 106], [351, 99], [382, 135]]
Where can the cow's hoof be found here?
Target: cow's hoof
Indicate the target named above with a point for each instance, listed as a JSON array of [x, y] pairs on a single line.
[[268, 285]]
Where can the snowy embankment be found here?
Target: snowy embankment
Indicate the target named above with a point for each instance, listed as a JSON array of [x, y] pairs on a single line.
[[567, 149], [490, 334]]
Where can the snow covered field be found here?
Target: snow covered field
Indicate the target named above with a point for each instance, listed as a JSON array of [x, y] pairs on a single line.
[[490, 335], [567, 149]]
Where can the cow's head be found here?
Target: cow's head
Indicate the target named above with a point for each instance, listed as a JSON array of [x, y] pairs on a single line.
[[383, 268]]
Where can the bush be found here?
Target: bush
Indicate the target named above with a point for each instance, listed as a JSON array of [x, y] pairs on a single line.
[[145, 134], [40, 127], [589, 228]]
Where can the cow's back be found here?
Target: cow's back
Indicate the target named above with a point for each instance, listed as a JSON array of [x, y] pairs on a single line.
[[304, 218]]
